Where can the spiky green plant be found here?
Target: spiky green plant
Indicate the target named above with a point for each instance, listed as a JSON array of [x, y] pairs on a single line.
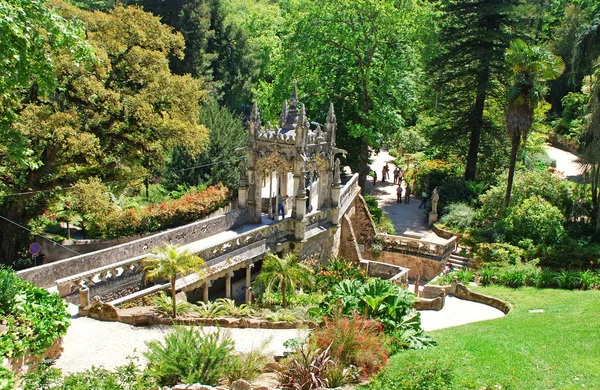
[[169, 262], [284, 273]]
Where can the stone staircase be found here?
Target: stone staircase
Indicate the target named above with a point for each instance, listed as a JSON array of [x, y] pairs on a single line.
[[458, 261]]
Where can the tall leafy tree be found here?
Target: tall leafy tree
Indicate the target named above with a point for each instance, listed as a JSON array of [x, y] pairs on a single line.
[[531, 67], [31, 32], [591, 139], [360, 55], [284, 273], [170, 262], [114, 119], [216, 50], [474, 35]]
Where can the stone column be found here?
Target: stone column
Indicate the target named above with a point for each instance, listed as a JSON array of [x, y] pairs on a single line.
[[205, 292], [248, 280], [243, 188], [336, 188], [297, 184], [228, 285], [84, 297], [255, 197]]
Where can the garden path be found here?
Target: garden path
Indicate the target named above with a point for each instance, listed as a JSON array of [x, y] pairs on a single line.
[[97, 343], [567, 163], [404, 216]]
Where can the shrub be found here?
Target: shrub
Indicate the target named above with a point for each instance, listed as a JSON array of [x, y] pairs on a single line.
[[306, 368], [500, 253], [175, 212], [353, 340], [164, 304], [374, 209], [518, 275], [127, 377], [9, 287], [247, 366], [190, 356], [526, 185], [34, 318], [536, 219], [459, 216], [336, 270], [430, 375]]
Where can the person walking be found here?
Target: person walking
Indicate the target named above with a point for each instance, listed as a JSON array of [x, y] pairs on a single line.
[[386, 170], [399, 194], [407, 192], [396, 175], [374, 177], [423, 199]]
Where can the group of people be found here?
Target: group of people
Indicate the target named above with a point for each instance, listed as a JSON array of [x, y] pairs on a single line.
[[400, 191]]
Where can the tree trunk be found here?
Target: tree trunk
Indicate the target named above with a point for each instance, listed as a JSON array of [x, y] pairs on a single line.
[[476, 124], [516, 140], [283, 292], [363, 169], [173, 295], [68, 230]]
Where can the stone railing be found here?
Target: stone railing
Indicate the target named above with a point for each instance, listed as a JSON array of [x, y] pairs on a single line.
[[46, 275], [348, 193], [438, 251], [106, 274], [394, 273]]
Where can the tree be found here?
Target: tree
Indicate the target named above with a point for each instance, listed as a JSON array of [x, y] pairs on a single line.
[[361, 55], [115, 119], [474, 35], [31, 32], [218, 163], [286, 272], [531, 66], [591, 139], [170, 262]]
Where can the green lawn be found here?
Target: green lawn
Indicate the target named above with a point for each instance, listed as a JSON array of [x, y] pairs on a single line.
[[556, 349]]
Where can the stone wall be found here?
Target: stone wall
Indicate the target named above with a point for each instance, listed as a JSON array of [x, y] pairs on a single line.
[[348, 246], [362, 222], [462, 292], [46, 275], [53, 252], [318, 247], [426, 268]]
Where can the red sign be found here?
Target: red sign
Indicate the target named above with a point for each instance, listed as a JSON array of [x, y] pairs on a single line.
[[35, 248]]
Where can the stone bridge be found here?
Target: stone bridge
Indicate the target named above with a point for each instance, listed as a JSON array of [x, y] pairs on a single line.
[[231, 248]]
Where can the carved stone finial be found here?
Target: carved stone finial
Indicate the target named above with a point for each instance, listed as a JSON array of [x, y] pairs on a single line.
[[255, 115], [331, 114], [268, 126], [243, 174], [294, 97], [336, 173], [284, 114]]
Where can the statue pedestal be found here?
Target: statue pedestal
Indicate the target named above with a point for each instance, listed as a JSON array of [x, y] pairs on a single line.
[[433, 217]]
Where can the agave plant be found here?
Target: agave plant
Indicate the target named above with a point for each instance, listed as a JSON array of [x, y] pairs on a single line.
[[209, 310], [230, 309]]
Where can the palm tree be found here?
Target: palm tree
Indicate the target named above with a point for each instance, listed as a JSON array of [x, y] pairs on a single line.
[[531, 66], [286, 272], [169, 262]]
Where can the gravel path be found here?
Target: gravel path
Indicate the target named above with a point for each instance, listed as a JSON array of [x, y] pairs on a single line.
[[567, 163], [96, 343]]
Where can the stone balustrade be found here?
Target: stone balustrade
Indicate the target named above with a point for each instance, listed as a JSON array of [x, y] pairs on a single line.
[[349, 191], [438, 251], [394, 273], [109, 273]]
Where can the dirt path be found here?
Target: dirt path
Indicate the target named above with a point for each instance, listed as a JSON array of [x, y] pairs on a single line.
[[96, 343], [404, 216], [567, 163]]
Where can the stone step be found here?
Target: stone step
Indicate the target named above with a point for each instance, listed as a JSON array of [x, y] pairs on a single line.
[[460, 258]]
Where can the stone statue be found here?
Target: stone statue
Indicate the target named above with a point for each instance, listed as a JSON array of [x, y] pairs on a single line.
[[243, 174], [336, 172], [434, 200]]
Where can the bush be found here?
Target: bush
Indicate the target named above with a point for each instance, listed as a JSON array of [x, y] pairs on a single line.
[[353, 340], [336, 270], [526, 185], [500, 253], [34, 318], [247, 366], [176, 212], [458, 216], [306, 368], [374, 209], [430, 375], [127, 377], [190, 356], [535, 219]]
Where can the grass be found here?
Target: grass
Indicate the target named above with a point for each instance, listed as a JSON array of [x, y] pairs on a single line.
[[556, 349]]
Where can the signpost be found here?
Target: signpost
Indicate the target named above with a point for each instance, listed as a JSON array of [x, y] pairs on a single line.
[[34, 249]]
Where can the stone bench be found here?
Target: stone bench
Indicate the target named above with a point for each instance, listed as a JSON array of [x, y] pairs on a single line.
[[412, 234]]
